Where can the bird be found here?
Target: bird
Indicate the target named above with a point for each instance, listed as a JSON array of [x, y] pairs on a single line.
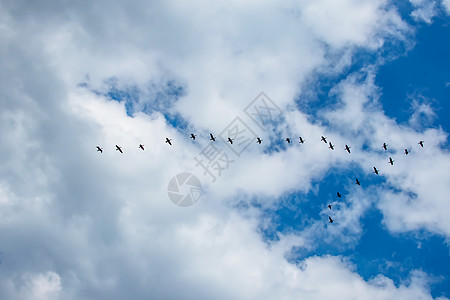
[[375, 170], [385, 146], [301, 140], [193, 136], [324, 139], [421, 143], [347, 148], [331, 146], [99, 149], [258, 140], [406, 151], [330, 220], [119, 148], [212, 138], [230, 140], [168, 141], [339, 195], [357, 182], [329, 206], [141, 146], [391, 161], [288, 140]]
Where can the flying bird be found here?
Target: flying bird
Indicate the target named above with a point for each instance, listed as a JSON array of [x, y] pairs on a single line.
[[421, 143], [331, 146], [324, 139], [230, 140], [385, 146], [391, 161], [212, 138], [406, 151], [288, 140], [357, 182], [339, 195], [99, 149], [330, 220], [329, 206], [193, 136], [168, 141], [119, 148], [258, 140], [301, 140], [347, 148], [375, 170], [141, 146]]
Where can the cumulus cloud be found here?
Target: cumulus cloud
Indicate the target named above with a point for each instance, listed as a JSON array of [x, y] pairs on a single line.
[[77, 223]]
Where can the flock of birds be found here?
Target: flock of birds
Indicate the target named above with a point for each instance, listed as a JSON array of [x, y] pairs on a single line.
[[193, 136], [288, 140], [347, 148]]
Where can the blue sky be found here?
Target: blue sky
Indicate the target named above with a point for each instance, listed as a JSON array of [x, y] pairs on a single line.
[[76, 223], [419, 73]]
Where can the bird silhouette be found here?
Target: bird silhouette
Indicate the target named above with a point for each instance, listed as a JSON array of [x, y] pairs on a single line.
[[347, 148], [391, 161]]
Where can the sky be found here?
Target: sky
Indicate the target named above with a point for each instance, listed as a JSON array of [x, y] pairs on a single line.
[[203, 219]]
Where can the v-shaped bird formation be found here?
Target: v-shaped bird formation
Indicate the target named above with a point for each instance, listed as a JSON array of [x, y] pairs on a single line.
[[288, 140]]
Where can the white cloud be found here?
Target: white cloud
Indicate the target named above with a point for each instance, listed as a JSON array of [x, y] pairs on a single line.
[[39, 286], [102, 222], [446, 4], [423, 114], [346, 23], [424, 10], [420, 175]]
